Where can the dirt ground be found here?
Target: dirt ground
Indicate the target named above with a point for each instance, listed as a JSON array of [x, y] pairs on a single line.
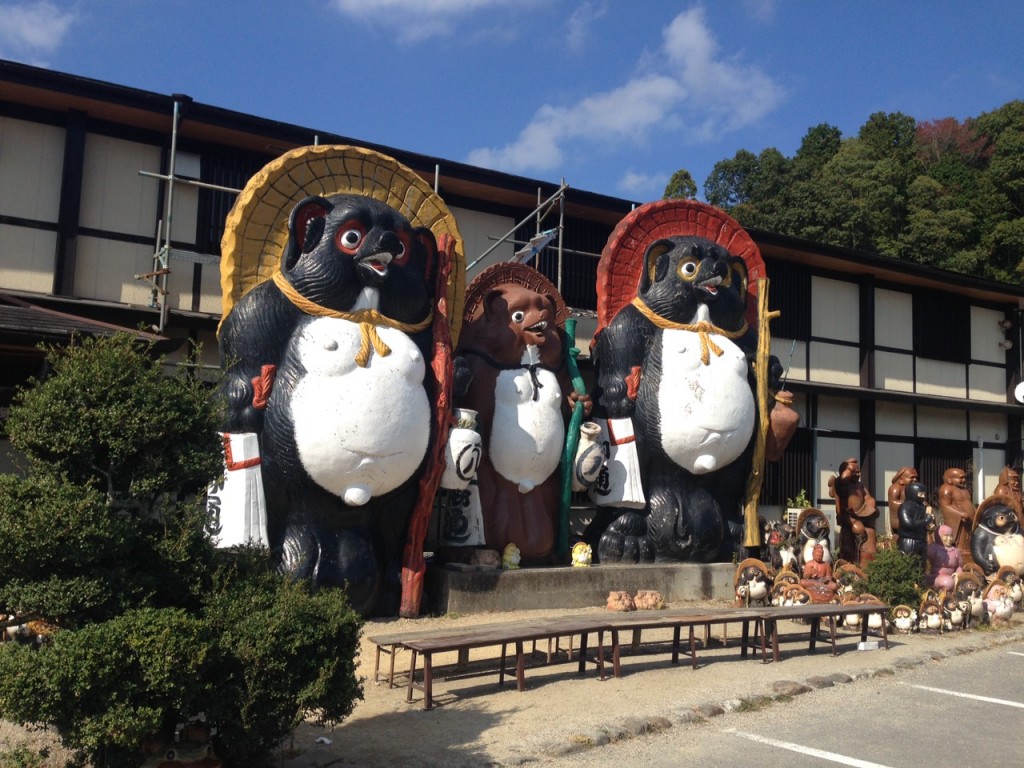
[[476, 723]]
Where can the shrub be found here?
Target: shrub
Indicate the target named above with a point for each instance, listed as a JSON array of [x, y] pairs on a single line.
[[104, 537], [895, 578]]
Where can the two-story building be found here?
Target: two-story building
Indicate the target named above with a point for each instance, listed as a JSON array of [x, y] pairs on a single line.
[[113, 201]]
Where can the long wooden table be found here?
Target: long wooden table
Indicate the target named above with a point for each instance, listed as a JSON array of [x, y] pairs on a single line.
[[426, 644], [516, 634]]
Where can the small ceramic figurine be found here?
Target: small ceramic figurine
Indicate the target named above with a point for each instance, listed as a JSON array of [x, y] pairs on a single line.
[[944, 560], [998, 603], [930, 616], [904, 619], [954, 614], [510, 557], [581, 554], [813, 530], [751, 582], [817, 577]]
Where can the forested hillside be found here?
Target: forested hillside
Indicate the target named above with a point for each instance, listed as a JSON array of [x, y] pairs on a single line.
[[942, 193]]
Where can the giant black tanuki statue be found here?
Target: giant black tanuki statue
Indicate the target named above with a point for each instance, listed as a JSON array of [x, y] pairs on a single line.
[[674, 357], [329, 362]]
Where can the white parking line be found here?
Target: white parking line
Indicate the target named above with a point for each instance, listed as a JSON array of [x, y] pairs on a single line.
[[1015, 653], [989, 699], [810, 751]]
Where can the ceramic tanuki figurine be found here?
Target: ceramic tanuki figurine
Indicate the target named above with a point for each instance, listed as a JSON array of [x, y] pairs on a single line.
[[997, 540], [896, 494], [916, 521], [944, 561], [957, 509], [855, 514], [511, 369], [327, 363], [675, 382]]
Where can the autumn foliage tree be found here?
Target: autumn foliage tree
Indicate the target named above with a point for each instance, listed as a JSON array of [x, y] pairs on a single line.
[[945, 193]]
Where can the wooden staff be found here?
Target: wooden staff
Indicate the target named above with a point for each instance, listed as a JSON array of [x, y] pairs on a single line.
[[751, 529]]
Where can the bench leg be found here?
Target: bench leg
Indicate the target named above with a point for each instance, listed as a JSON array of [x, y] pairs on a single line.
[[520, 667], [582, 667], [616, 650], [676, 631], [832, 634], [412, 678], [501, 667], [745, 638], [428, 682], [815, 628], [693, 646]]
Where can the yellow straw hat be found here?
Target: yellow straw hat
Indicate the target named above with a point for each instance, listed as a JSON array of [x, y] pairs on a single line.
[[256, 229]]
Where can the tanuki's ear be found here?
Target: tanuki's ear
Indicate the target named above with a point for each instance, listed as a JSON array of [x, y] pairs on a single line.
[[655, 263], [305, 228]]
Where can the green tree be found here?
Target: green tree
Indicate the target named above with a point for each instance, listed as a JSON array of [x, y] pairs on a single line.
[[103, 539], [680, 186]]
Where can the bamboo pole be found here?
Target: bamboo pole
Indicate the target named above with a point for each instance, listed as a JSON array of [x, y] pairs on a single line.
[[751, 529]]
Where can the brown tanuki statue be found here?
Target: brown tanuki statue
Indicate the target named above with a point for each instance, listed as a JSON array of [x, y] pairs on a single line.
[[511, 369], [856, 514], [1009, 485], [897, 493], [957, 509]]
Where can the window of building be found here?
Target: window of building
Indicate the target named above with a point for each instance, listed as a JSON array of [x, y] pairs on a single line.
[[789, 290], [942, 327]]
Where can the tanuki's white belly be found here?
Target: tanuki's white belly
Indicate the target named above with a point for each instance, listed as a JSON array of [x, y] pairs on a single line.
[[360, 432], [707, 410], [527, 434]]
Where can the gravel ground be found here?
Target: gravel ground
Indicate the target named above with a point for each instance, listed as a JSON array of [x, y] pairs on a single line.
[[474, 723]]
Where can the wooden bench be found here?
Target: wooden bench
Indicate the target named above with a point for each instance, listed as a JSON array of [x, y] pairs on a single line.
[[814, 613], [464, 639], [677, 620]]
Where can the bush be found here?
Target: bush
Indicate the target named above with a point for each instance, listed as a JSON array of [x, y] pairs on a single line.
[[895, 578], [104, 537]]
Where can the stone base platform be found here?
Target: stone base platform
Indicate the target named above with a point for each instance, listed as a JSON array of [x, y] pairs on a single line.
[[453, 589]]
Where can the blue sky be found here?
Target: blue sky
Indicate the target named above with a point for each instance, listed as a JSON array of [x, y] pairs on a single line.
[[611, 95]]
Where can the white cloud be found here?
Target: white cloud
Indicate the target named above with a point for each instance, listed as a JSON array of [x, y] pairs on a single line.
[[691, 92], [416, 20], [29, 30], [761, 10], [645, 186], [577, 28]]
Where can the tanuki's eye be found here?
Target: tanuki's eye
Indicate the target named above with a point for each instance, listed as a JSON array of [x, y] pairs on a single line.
[[350, 236], [518, 316], [687, 269]]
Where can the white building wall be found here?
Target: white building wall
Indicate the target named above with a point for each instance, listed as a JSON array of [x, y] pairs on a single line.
[[835, 309], [115, 197], [834, 364], [986, 335], [33, 155], [27, 258], [894, 371], [938, 377], [894, 319], [941, 423], [480, 231]]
